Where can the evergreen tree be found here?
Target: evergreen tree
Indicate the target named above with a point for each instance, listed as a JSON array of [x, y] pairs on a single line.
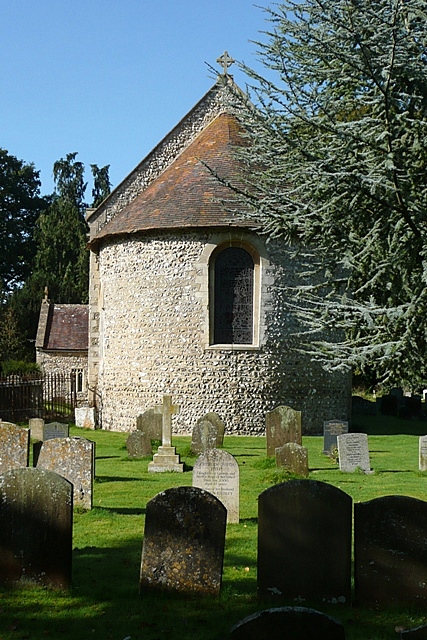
[[101, 184], [339, 150]]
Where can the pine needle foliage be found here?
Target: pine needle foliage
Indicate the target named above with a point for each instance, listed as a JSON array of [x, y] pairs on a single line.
[[339, 149]]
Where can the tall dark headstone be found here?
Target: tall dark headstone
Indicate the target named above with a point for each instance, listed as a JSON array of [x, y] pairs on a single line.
[[14, 446], [390, 552], [331, 430], [304, 542], [293, 623], [36, 516], [282, 425], [184, 539]]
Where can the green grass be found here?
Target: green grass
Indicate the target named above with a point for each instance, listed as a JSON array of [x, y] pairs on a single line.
[[104, 602]]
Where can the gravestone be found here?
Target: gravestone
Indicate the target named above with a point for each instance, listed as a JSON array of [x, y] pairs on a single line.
[[74, 459], [294, 458], [55, 430], [85, 417], [184, 539], [150, 422], [138, 445], [353, 452], [292, 623], [14, 446], [304, 542], [166, 458], [390, 552], [217, 471], [282, 425], [36, 426], [204, 436], [331, 430], [36, 516], [422, 458]]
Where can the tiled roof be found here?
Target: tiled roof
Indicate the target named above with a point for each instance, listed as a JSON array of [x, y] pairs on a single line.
[[186, 194], [66, 328]]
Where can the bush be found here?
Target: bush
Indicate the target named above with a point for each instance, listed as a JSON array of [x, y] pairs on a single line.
[[19, 367]]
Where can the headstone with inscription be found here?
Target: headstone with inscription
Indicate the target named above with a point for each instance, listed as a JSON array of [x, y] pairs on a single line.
[[282, 425], [183, 547], [55, 430], [294, 458], [304, 542], [74, 459], [353, 452], [36, 516], [390, 550], [288, 622], [331, 430], [150, 422], [217, 471], [166, 458], [36, 426], [14, 446], [422, 458], [138, 445]]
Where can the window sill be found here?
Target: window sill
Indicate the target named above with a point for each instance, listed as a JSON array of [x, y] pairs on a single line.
[[232, 347]]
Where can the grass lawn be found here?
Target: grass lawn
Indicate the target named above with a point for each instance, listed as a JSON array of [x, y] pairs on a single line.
[[104, 602]]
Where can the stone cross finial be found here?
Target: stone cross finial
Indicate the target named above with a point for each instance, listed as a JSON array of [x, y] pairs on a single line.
[[167, 409], [225, 61]]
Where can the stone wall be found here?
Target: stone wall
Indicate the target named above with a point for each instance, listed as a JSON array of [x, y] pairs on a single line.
[[153, 339], [64, 363]]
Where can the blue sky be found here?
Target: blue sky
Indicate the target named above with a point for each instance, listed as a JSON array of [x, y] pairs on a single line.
[[110, 78]]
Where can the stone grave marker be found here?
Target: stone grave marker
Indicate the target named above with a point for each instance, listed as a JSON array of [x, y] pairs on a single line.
[[138, 445], [36, 426], [390, 551], [217, 471], [150, 422], [294, 458], [353, 452], [331, 430], [85, 417], [36, 516], [166, 458], [183, 547], [304, 542], [74, 459], [288, 622], [282, 425], [204, 436], [55, 430], [422, 458], [14, 446]]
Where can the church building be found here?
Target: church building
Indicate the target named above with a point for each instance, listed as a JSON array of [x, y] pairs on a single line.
[[186, 299]]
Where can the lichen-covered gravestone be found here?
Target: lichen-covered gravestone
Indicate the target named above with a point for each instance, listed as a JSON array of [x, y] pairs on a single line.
[[138, 445], [36, 426], [353, 452], [150, 422], [208, 433], [217, 471], [282, 425], [294, 458], [304, 542], [74, 459], [422, 450], [184, 537], [390, 551], [14, 446], [36, 516]]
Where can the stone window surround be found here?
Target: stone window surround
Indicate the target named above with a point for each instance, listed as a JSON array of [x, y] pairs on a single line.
[[253, 244]]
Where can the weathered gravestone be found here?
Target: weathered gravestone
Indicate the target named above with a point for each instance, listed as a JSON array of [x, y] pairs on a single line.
[[294, 458], [138, 445], [85, 417], [422, 458], [390, 552], [74, 459], [55, 430], [292, 623], [14, 446], [208, 433], [217, 471], [166, 458], [36, 516], [282, 425], [331, 430], [353, 452], [150, 422], [184, 539], [36, 426], [304, 542]]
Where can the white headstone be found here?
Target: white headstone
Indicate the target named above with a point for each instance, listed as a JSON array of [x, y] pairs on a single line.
[[353, 452], [217, 471], [423, 453]]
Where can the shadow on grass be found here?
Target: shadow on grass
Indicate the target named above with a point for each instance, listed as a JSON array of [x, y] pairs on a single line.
[[101, 479]]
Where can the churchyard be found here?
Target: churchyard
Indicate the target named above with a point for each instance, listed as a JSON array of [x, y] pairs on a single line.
[[105, 599]]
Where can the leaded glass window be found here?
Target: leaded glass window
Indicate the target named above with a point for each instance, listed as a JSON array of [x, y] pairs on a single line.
[[233, 297]]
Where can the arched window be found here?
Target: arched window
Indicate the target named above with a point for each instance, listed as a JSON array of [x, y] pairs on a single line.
[[233, 297]]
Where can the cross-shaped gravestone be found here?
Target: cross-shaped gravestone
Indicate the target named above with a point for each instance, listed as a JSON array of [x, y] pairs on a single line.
[[167, 409], [225, 61]]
